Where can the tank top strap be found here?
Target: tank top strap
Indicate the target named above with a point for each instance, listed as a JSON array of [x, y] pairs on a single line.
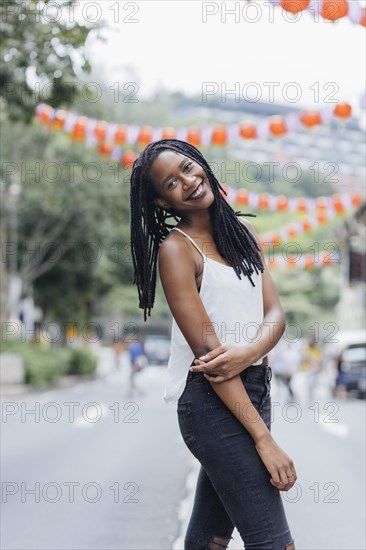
[[192, 241]]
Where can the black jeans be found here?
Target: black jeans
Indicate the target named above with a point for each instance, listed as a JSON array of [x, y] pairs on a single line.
[[233, 486]]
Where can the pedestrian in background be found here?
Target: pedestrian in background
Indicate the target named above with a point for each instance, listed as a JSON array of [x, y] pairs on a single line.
[[285, 360], [138, 361], [311, 365]]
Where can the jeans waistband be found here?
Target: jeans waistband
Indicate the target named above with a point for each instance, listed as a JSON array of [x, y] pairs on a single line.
[[257, 373]]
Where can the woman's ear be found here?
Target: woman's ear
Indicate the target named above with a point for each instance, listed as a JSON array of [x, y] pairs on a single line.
[[162, 203]]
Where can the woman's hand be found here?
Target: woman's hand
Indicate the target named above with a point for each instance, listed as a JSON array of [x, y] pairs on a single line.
[[277, 462], [224, 362]]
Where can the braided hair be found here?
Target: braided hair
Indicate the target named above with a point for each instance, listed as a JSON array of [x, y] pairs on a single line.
[[149, 228]]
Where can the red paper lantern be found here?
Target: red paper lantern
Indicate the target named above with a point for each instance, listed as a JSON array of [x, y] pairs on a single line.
[[310, 118], [277, 126], [334, 9], [168, 133], [343, 110], [78, 132], [100, 130], [120, 135], [128, 158], [248, 131], [145, 135], [194, 136], [219, 136], [294, 6]]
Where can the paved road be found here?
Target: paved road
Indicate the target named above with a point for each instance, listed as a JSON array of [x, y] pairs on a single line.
[[124, 454], [134, 479]]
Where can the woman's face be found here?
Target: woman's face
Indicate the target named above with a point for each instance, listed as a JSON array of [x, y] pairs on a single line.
[[176, 178]]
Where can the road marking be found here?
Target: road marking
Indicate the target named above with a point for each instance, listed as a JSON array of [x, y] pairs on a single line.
[[335, 428]]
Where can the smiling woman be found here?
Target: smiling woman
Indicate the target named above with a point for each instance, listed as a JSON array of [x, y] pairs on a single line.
[[216, 299]]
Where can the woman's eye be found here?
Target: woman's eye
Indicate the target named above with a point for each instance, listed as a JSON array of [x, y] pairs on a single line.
[[188, 166], [169, 184]]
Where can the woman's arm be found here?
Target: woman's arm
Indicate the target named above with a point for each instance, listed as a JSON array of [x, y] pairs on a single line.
[[226, 362], [177, 270]]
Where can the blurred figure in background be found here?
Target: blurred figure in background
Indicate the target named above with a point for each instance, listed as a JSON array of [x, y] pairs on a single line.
[[311, 365], [138, 361], [285, 361], [118, 348]]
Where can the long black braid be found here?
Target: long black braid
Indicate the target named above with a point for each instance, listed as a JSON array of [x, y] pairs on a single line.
[[149, 227]]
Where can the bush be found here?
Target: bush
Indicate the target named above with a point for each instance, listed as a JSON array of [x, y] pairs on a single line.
[[82, 362], [42, 366]]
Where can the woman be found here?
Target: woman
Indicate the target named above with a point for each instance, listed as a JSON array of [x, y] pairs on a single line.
[[216, 299]]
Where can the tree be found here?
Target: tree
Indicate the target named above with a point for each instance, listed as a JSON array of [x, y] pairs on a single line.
[[42, 57]]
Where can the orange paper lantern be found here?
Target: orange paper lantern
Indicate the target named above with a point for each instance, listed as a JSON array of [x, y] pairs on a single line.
[[59, 120], [310, 118], [168, 133], [321, 217], [247, 131], [105, 148], [363, 17], [309, 261], [194, 136], [46, 114], [294, 6], [120, 135], [219, 136], [263, 201], [277, 126], [356, 199], [334, 9], [302, 205], [337, 204], [306, 226], [128, 158], [292, 232], [343, 110], [78, 132], [100, 130], [145, 135], [282, 203], [242, 196]]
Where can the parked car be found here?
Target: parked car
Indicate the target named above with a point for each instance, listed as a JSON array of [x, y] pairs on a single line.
[[352, 369], [157, 349]]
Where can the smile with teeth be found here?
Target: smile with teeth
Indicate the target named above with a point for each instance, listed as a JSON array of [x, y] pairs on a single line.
[[197, 192]]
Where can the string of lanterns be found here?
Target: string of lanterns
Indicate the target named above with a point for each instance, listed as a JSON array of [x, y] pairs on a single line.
[[326, 206], [330, 10], [305, 261], [108, 138]]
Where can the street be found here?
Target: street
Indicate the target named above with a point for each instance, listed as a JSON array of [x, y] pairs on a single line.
[[95, 468]]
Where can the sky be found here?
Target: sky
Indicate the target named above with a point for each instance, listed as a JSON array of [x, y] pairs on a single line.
[[200, 48]]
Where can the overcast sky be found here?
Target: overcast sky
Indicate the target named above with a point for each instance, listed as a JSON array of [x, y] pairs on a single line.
[[181, 45]]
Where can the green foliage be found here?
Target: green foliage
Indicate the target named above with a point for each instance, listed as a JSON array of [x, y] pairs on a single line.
[[37, 44], [82, 362], [42, 365]]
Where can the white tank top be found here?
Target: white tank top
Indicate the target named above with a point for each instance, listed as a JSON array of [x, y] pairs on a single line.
[[234, 307]]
